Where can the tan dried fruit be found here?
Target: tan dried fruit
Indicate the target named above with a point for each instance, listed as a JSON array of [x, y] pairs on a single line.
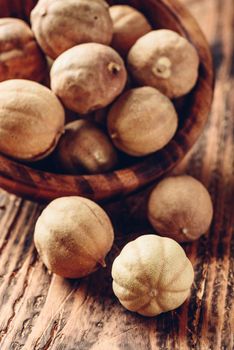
[[180, 207], [129, 26], [85, 148], [20, 56], [142, 121], [31, 120], [152, 275], [60, 25], [165, 60], [73, 236], [88, 77]]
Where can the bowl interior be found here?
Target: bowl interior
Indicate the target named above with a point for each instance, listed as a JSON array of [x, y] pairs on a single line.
[[193, 110]]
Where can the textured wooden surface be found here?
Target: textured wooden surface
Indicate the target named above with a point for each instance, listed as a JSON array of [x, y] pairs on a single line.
[[193, 110], [42, 311]]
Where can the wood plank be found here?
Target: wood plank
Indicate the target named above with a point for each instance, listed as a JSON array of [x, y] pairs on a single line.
[[42, 311]]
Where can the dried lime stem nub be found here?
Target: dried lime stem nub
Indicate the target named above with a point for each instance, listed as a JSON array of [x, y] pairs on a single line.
[[43, 12], [162, 67], [102, 262], [114, 135], [186, 233], [114, 68]]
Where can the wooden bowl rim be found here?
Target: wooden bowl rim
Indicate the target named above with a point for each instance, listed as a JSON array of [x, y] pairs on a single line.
[[43, 185]]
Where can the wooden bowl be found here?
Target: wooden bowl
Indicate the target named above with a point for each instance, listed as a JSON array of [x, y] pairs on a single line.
[[43, 186]]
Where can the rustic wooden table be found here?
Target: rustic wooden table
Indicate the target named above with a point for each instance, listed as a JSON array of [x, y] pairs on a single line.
[[42, 311]]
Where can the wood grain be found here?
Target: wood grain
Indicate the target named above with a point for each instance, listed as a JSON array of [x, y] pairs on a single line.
[[193, 111], [42, 311]]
